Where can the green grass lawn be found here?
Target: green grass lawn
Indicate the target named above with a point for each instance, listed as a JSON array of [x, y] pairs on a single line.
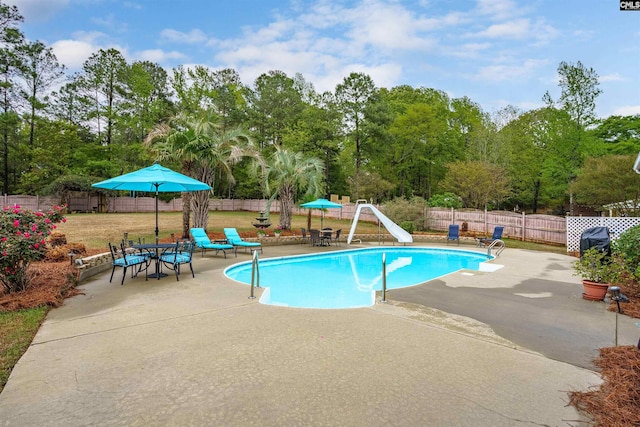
[[17, 329]]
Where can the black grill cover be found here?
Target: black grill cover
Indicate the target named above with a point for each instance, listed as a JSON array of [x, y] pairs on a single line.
[[597, 237]]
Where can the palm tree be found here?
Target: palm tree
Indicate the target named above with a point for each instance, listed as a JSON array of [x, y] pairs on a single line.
[[204, 148], [286, 173]]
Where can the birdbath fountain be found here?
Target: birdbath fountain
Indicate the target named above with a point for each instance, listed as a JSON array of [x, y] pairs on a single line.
[[263, 221]]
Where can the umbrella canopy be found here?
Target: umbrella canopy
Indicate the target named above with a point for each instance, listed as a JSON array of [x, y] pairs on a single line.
[[153, 179], [321, 204]]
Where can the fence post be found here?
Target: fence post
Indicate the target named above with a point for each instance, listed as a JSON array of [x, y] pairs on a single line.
[[524, 226], [485, 220]]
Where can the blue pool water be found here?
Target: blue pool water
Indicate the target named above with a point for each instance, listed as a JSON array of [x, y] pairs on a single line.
[[349, 279]]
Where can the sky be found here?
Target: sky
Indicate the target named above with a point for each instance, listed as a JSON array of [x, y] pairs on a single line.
[[496, 52]]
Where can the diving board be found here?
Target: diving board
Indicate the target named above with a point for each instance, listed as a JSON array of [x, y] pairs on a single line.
[[394, 229]]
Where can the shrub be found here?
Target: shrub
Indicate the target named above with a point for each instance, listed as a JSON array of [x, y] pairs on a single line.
[[595, 266], [401, 209], [445, 200], [408, 226], [627, 246], [23, 241]]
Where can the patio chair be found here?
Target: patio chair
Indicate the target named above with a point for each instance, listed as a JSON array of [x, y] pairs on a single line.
[[337, 238], [497, 234], [318, 238], [305, 238], [234, 239], [454, 233], [182, 254], [122, 259], [314, 237], [202, 242]]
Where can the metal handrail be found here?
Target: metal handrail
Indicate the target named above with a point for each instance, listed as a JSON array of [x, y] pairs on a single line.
[[496, 242], [255, 273], [384, 277]]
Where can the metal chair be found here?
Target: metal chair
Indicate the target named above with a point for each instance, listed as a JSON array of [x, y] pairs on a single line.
[[497, 235], [182, 254], [314, 237], [305, 238], [122, 259], [454, 233], [337, 238]]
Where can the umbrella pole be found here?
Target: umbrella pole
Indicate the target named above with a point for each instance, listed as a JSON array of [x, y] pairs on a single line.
[[157, 231]]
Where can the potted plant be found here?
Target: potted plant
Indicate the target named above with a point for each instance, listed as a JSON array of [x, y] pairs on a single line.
[[261, 233], [277, 231], [598, 271]]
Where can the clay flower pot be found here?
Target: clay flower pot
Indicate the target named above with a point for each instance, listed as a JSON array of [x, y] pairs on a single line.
[[594, 291]]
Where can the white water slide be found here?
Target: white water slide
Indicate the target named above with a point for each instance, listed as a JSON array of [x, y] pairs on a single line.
[[394, 229]]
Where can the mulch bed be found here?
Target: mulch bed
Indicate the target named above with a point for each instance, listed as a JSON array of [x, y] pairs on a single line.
[[51, 282], [615, 403]]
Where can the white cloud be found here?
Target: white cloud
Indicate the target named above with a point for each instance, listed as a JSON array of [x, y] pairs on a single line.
[[468, 50], [499, 9], [73, 53], [110, 22], [158, 55], [517, 29], [132, 5], [539, 32], [192, 37], [503, 72], [388, 26], [615, 77], [627, 110], [38, 10]]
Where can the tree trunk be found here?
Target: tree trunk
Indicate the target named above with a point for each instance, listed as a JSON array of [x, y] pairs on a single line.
[[200, 208], [536, 196], [286, 207]]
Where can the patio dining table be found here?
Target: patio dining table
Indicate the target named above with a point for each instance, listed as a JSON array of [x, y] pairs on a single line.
[[154, 252]]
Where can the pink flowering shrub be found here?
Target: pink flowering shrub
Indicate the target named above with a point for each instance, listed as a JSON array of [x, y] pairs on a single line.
[[23, 235]]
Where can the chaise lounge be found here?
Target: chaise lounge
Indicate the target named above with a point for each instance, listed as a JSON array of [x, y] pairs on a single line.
[[202, 242], [454, 233], [497, 235], [234, 239]]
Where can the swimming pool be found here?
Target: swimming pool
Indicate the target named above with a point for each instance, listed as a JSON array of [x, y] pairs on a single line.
[[349, 279]]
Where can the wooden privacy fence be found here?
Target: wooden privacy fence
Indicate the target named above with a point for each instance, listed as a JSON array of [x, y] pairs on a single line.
[[532, 227], [535, 227]]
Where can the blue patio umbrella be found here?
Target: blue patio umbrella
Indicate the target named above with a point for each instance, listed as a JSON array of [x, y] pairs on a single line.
[[321, 204], [153, 179]]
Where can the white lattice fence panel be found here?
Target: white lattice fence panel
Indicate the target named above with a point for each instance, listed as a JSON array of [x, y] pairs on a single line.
[[577, 225]]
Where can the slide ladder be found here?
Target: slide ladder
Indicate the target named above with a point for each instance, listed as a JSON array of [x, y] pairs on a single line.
[[394, 229]]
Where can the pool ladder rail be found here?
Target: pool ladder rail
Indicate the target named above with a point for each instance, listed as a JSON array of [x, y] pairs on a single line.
[[500, 244], [255, 274]]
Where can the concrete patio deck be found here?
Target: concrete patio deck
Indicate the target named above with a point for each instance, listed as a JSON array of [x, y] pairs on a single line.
[[199, 352]]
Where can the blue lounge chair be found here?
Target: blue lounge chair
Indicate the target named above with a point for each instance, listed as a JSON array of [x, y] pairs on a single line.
[[454, 233], [234, 239], [497, 235], [202, 242]]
